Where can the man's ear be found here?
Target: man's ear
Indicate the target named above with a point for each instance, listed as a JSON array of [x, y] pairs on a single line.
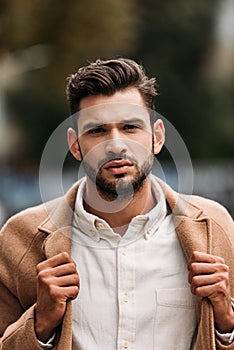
[[159, 136], [73, 144]]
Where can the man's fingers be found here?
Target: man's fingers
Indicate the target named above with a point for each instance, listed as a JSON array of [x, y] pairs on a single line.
[[62, 270], [57, 260], [58, 293], [71, 292], [208, 276], [66, 281], [205, 258], [202, 281], [212, 291], [206, 269], [65, 277], [59, 271]]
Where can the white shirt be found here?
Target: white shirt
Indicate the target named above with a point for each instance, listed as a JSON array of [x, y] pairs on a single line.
[[134, 291]]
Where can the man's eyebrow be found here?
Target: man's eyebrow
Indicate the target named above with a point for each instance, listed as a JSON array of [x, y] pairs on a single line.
[[93, 125], [137, 121]]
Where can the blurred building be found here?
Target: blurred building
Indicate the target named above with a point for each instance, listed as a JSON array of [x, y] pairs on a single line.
[[220, 64]]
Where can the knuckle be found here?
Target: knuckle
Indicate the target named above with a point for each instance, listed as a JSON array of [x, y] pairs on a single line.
[[72, 267], [199, 292], [222, 268], [77, 280], [225, 268], [73, 262], [194, 255], [42, 276], [195, 281], [39, 267], [221, 286], [75, 292], [193, 267], [65, 256], [224, 278], [74, 280]]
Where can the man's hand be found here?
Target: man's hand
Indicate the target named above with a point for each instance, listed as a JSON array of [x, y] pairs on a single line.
[[209, 277], [57, 281]]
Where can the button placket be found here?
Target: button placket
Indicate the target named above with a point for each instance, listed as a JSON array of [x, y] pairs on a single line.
[[126, 297]]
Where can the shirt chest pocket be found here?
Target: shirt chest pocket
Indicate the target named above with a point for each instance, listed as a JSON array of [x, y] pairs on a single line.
[[175, 319]]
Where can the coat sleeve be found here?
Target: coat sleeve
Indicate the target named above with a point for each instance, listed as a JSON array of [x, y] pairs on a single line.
[[20, 334], [225, 222], [17, 285]]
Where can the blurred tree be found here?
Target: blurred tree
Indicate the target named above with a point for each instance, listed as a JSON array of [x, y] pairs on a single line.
[[175, 41], [67, 33]]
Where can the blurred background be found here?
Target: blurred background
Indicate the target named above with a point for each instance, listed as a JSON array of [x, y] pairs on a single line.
[[187, 45]]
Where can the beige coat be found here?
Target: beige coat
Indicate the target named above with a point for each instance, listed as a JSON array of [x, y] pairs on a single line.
[[43, 231]]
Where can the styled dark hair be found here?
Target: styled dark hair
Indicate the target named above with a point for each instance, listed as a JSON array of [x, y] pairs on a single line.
[[106, 78]]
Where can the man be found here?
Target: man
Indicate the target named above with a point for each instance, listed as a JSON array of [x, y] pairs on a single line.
[[122, 261]]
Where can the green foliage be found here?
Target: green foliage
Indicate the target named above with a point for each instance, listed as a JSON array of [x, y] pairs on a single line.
[[176, 38], [172, 39], [73, 32]]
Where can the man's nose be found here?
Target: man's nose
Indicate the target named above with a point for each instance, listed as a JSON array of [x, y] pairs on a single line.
[[115, 144]]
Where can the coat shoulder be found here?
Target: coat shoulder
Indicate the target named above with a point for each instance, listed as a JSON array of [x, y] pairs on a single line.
[[30, 218], [212, 209]]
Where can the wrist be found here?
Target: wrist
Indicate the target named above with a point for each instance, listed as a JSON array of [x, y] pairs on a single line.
[[43, 333], [226, 324], [42, 328]]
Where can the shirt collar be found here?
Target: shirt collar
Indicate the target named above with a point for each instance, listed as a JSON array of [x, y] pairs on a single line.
[[97, 228]]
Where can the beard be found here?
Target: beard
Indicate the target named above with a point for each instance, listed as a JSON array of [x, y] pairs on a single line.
[[120, 186]]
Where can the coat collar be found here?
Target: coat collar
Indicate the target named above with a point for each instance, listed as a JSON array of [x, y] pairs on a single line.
[[58, 223], [190, 223]]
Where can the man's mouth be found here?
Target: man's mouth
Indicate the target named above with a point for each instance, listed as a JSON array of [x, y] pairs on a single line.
[[118, 166]]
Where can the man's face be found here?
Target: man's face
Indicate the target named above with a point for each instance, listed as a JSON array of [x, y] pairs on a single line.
[[115, 141]]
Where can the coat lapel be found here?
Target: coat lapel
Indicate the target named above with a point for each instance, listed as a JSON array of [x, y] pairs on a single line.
[[194, 232], [58, 226]]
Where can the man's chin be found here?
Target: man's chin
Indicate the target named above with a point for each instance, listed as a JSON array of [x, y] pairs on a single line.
[[123, 187]]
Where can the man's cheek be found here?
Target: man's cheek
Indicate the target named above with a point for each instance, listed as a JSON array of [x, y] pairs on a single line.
[[93, 157]]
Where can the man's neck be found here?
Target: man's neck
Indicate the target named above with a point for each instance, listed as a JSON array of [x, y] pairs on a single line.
[[119, 213]]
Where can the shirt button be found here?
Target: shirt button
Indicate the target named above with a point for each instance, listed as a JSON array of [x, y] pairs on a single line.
[[125, 344], [100, 225], [124, 251], [125, 298]]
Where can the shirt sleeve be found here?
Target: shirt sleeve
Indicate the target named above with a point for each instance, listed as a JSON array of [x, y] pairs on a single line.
[[225, 338]]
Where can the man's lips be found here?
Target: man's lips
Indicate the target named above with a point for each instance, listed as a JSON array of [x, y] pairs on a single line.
[[118, 166]]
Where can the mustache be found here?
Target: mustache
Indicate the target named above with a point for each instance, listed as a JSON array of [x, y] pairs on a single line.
[[120, 156]]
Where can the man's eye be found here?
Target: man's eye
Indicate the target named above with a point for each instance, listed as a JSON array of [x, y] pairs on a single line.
[[130, 127], [96, 131]]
